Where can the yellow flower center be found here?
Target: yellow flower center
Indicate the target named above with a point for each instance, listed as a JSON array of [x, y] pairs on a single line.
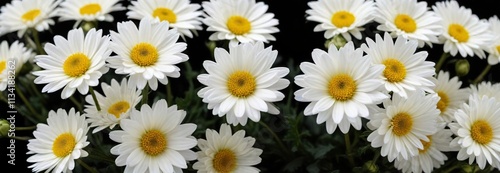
[[118, 108], [401, 124], [3, 66], [241, 84], [458, 32], [443, 102], [90, 9], [153, 142], [144, 54], [498, 48], [63, 145], [481, 132], [394, 70], [405, 23], [426, 145], [30, 15], [224, 161], [238, 25], [343, 19], [76, 65], [165, 14], [342, 87]]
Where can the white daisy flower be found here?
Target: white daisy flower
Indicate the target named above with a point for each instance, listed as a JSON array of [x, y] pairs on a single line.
[[451, 97], [227, 152], [88, 10], [148, 54], [116, 104], [477, 130], [239, 21], [403, 124], [154, 140], [21, 15], [485, 88], [409, 18], [340, 84], [463, 32], [404, 70], [241, 83], [181, 14], [75, 63], [431, 156], [494, 48], [345, 17], [58, 143], [16, 54]]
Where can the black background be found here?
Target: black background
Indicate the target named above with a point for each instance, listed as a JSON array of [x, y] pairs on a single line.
[[296, 40]]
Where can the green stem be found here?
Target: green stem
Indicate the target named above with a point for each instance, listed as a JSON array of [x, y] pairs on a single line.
[[348, 149], [26, 128], [483, 73], [36, 38], [21, 138], [36, 91], [145, 93], [170, 97], [77, 103], [441, 61], [275, 137], [90, 169], [28, 103], [95, 99], [101, 157]]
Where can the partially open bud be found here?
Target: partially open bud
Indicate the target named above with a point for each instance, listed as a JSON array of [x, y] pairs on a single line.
[[4, 128], [462, 67], [370, 166], [338, 40]]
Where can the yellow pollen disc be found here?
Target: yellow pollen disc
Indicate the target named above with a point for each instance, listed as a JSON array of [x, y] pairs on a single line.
[[118, 108], [153, 142], [405, 23], [498, 48], [238, 25], [343, 19], [241, 84], [443, 102], [426, 145], [90, 9], [224, 161], [342, 87], [165, 14], [144, 54], [63, 145], [3, 66], [481, 132], [394, 71], [458, 32], [76, 65], [401, 124], [30, 15]]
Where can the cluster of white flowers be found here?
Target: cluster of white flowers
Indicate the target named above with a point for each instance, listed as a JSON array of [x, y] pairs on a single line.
[[414, 112]]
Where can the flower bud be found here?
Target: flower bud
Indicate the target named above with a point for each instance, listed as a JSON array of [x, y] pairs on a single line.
[[462, 67], [338, 40], [87, 26], [370, 166], [4, 128]]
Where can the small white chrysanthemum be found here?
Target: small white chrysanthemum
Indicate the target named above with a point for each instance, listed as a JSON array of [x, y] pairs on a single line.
[[485, 88], [88, 10], [75, 63], [451, 97], [431, 156], [115, 105], [225, 152], [59, 142], [12, 58], [180, 14], [154, 140], [463, 32], [409, 18], [404, 70], [403, 124], [241, 83], [148, 54], [21, 15], [494, 48], [343, 17], [477, 130], [340, 84], [239, 21]]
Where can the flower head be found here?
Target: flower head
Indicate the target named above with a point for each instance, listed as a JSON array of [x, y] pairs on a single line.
[[21, 15], [75, 63], [154, 140], [494, 48], [451, 96], [227, 152], [59, 142], [88, 10], [241, 83], [340, 85], [16, 54]]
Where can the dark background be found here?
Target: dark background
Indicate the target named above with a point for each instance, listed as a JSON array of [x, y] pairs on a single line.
[[296, 40]]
